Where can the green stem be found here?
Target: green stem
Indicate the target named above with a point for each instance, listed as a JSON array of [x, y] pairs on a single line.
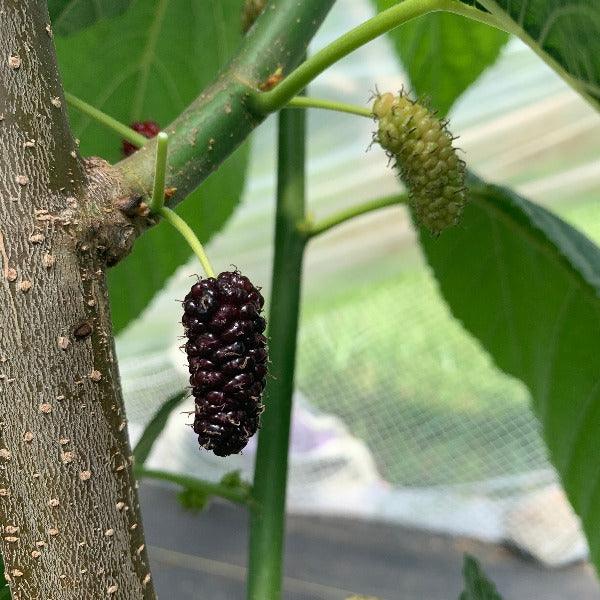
[[190, 237], [239, 496], [266, 102], [160, 170], [270, 477], [304, 102], [311, 230], [91, 111]]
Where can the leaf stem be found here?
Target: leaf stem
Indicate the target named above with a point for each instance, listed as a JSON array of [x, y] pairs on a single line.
[[154, 428], [109, 122], [266, 102], [190, 237], [160, 170], [239, 496], [311, 229], [267, 523], [304, 102]]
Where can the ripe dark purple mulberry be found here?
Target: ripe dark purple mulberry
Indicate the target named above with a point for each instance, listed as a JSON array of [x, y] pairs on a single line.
[[148, 129], [227, 358]]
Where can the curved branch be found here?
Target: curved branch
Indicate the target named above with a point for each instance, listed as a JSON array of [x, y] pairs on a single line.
[[381, 23], [212, 127]]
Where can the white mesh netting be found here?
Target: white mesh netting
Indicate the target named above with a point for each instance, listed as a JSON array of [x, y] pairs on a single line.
[[399, 414]]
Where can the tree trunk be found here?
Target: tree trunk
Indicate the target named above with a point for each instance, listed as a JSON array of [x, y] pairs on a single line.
[[69, 511]]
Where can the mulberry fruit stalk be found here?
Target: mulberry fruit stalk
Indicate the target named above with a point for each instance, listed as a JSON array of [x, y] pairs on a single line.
[[421, 148], [148, 129], [227, 357]]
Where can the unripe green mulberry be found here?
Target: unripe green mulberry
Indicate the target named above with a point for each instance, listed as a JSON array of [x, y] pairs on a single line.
[[421, 147]]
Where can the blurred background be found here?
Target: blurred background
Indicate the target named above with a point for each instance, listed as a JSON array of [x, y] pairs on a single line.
[[401, 422]]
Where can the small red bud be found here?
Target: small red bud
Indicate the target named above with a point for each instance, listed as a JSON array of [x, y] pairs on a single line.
[[148, 129]]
